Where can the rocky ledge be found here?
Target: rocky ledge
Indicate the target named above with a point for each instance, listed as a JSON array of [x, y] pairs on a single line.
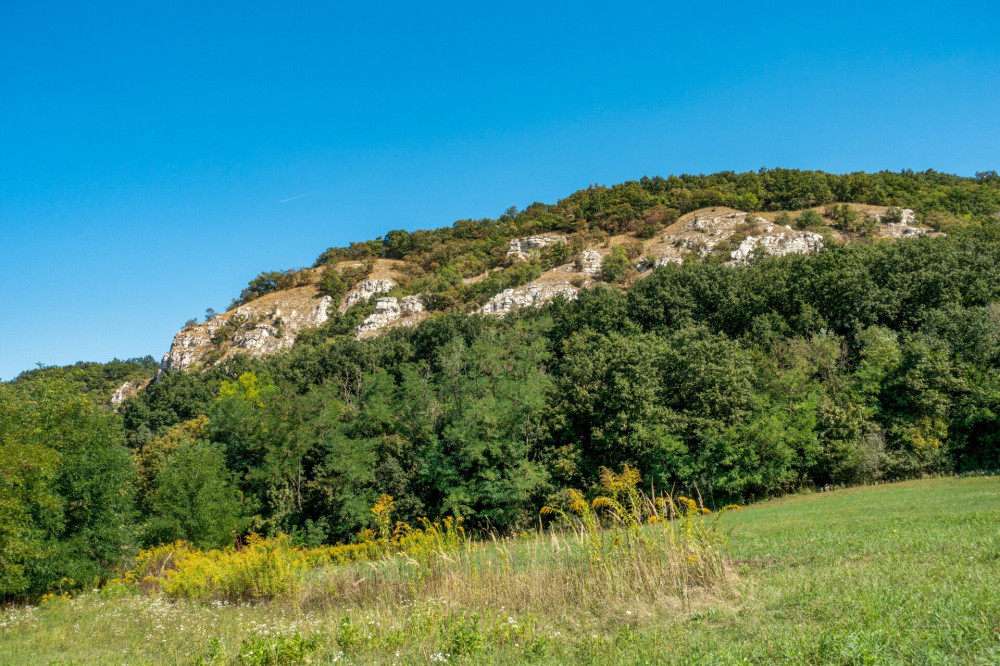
[[390, 310], [523, 248], [127, 390], [365, 290], [531, 295], [258, 329], [779, 244]]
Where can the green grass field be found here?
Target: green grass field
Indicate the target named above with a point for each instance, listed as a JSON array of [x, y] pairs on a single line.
[[907, 573]]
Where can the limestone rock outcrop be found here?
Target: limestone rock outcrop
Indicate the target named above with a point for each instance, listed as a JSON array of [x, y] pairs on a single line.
[[904, 227], [590, 263], [780, 244], [366, 290], [260, 328], [719, 224], [127, 390], [389, 310], [530, 295], [522, 248], [645, 265], [188, 347]]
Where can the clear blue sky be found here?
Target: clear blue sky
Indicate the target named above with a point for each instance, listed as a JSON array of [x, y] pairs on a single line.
[[150, 153]]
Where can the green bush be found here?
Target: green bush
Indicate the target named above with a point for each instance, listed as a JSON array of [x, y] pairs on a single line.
[[194, 498], [809, 219], [66, 511], [615, 266]]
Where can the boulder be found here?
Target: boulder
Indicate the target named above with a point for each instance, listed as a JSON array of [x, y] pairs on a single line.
[[590, 263]]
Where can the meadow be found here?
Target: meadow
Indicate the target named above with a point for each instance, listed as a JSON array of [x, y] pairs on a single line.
[[896, 573]]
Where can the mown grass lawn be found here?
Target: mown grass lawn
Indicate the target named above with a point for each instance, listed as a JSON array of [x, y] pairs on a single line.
[[906, 573]]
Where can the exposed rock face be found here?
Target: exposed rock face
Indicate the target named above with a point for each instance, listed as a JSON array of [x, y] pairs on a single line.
[[904, 227], [531, 295], [702, 247], [705, 233], [522, 248], [366, 290], [719, 224], [590, 263], [644, 265], [187, 347], [127, 390], [259, 330], [779, 244], [389, 310]]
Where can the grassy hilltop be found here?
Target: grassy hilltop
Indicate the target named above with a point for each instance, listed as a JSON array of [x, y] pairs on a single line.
[[900, 573]]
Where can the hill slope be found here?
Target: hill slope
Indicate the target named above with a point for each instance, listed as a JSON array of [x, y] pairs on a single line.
[[544, 266], [528, 257], [737, 377]]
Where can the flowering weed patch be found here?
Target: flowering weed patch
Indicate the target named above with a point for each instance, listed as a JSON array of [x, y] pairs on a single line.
[[269, 568], [819, 583]]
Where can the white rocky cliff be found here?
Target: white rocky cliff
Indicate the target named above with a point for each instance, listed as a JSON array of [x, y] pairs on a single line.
[[390, 310], [523, 248], [779, 244], [265, 326], [531, 295], [366, 290]]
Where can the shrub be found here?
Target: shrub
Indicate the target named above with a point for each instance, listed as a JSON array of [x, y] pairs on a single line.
[[845, 217], [262, 569], [615, 266], [337, 282], [639, 542], [894, 215], [266, 568], [809, 219]]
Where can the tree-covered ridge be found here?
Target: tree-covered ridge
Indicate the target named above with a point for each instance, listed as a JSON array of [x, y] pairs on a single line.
[[97, 380], [625, 207], [440, 259]]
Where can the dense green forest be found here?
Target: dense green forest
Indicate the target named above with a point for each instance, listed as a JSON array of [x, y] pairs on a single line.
[[97, 380], [864, 362]]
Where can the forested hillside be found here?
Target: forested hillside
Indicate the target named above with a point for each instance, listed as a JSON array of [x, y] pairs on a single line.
[[870, 360], [439, 262]]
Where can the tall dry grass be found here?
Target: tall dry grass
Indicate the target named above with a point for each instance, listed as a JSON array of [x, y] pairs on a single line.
[[621, 547]]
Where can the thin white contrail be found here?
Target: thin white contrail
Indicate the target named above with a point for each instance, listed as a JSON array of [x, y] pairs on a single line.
[[297, 196]]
